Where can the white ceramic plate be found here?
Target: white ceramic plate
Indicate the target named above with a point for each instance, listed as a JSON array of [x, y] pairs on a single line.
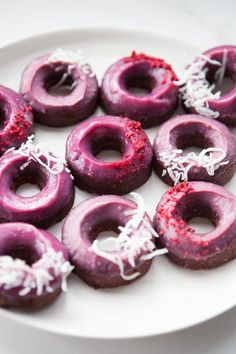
[[168, 298]]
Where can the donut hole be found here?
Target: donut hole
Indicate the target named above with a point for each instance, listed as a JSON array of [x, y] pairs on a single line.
[[106, 235], [199, 215], [103, 230], [106, 145], [140, 86], [138, 81], [59, 81], [3, 109], [29, 181], [28, 190], [225, 84], [109, 155], [191, 140], [201, 225], [24, 252]]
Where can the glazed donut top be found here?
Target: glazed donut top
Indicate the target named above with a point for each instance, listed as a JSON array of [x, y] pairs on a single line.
[[186, 201], [154, 63], [17, 119], [134, 244], [131, 140], [33, 163], [161, 76], [47, 261], [136, 234], [46, 70], [180, 132], [196, 84]]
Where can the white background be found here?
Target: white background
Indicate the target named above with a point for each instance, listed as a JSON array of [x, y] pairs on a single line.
[[205, 23]]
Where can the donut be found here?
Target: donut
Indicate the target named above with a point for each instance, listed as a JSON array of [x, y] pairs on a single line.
[[122, 265], [185, 245], [142, 71], [194, 130], [76, 85], [207, 69], [43, 209], [33, 266], [16, 119], [109, 132]]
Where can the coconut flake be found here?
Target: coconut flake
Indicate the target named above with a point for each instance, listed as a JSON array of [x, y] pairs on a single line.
[[16, 273], [135, 238], [41, 155], [177, 165], [73, 58], [195, 90], [220, 72]]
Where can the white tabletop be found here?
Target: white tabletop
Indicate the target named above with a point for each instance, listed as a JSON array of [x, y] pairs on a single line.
[[206, 23]]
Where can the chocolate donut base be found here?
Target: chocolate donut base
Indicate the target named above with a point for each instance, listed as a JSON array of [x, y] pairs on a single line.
[[30, 304], [227, 120], [218, 178], [212, 262], [53, 120], [103, 282], [84, 183], [146, 122], [44, 224]]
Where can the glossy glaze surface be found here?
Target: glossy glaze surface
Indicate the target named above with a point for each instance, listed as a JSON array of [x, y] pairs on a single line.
[[109, 132], [186, 246], [149, 73], [193, 130], [81, 227], [16, 119], [45, 208], [58, 110]]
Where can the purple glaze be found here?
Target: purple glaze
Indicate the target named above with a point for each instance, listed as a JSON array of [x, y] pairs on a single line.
[[82, 226], [31, 243], [186, 246], [16, 119], [47, 207], [142, 71], [195, 130], [226, 104], [109, 132], [58, 111]]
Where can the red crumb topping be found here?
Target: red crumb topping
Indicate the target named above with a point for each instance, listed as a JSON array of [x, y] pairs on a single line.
[[139, 141], [174, 228], [168, 214], [137, 137], [16, 131], [154, 62]]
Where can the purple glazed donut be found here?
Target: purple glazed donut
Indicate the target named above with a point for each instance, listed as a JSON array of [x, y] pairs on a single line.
[[33, 266], [16, 119], [194, 130], [77, 102], [109, 132], [224, 106], [140, 71], [81, 228], [185, 245], [48, 206]]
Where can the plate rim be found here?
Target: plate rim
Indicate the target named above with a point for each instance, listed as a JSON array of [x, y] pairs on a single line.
[[13, 45]]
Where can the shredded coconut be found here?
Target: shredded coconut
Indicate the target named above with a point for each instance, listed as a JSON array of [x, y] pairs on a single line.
[[220, 72], [134, 238], [16, 273], [41, 155], [73, 58], [195, 90], [177, 165]]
